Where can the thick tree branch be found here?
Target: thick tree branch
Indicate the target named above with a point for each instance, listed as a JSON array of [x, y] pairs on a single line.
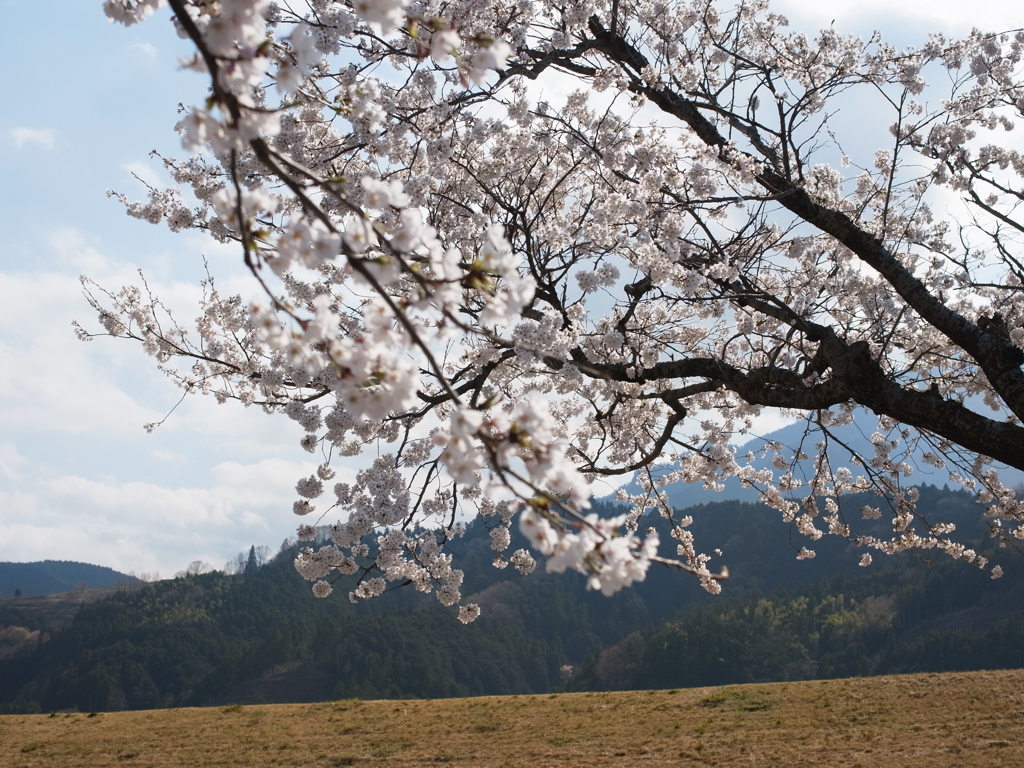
[[996, 356]]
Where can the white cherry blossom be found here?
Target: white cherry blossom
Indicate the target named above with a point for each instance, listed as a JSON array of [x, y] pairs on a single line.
[[498, 299]]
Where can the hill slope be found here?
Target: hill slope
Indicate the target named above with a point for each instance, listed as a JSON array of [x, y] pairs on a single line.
[[261, 637], [48, 577]]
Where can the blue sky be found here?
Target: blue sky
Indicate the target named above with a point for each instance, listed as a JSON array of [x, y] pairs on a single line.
[[79, 477]]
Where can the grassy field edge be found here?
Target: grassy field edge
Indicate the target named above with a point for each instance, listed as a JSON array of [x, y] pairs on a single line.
[[949, 719]]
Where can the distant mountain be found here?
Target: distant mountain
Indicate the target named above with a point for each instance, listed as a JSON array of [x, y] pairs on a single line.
[[48, 577], [261, 637], [795, 437]]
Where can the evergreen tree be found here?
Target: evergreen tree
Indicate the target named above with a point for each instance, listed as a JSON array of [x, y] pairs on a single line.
[[251, 563]]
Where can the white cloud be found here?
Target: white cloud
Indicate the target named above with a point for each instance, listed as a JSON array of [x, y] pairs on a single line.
[[23, 136], [53, 383], [147, 50], [169, 457], [49, 382], [73, 250], [12, 463], [950, 16], [145, 173], [79, 479], [144, 526]]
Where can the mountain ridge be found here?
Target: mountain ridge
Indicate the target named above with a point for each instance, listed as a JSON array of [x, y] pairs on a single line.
[[855, 436], [39, 578], [215, 638]]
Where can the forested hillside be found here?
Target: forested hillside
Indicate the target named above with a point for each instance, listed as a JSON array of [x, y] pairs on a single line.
[[260, 636], [914, 618], [48, 577]]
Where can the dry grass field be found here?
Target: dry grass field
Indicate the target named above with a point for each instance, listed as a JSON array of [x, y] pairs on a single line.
[[969, 719]]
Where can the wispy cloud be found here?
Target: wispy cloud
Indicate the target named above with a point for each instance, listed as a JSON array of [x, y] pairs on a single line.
[[144, 172], [12, 463], [79, 477], [73, 250], [23, 136], [135, 525], [148, 50], [939, 15]]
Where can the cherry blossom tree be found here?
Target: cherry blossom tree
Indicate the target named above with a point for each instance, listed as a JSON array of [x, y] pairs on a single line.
[[512, 253]]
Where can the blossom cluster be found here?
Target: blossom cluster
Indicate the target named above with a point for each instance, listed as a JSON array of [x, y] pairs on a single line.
[[498, 304]]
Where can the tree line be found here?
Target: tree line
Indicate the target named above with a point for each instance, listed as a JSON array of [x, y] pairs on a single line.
[[257, 635]]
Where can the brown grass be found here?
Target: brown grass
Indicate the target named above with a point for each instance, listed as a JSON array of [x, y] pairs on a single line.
[[963, 719]]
